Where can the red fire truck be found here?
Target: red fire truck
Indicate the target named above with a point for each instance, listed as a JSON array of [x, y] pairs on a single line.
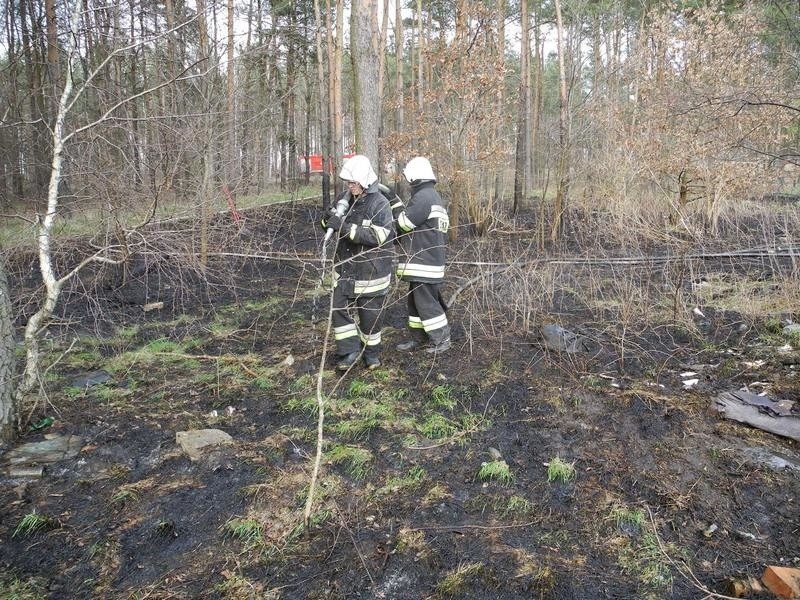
[[315, 163]]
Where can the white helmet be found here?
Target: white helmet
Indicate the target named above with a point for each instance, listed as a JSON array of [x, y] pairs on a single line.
[[358, 168], [419, 168]]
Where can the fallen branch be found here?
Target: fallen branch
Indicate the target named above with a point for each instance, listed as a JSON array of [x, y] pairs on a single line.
[[481, 527], [683, 569], [355, 544]]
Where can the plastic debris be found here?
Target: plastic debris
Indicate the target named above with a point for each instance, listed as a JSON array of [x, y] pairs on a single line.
[[792, 329], [756, 364], [23, 472], [42, 423], [775, 416], [555, 337]]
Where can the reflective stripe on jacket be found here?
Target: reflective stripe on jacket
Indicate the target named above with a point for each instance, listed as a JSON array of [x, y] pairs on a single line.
[[422, 228], [364, 251]]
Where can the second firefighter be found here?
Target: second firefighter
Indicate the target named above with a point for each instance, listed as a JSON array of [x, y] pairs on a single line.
[[422, 228]]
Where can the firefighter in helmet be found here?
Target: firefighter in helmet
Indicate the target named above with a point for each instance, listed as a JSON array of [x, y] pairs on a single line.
[[422, 230], [363, 265]]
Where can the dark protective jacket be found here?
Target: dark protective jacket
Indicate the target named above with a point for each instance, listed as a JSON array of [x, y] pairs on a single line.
[[365, 251], [422, 227]]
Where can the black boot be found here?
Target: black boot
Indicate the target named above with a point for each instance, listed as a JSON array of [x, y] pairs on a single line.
[[407, 346], [371, 361], [440, 346], [416, 340], [347, 361], [439, 340]]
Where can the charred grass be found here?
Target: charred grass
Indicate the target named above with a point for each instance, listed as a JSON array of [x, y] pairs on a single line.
[[500, 470]]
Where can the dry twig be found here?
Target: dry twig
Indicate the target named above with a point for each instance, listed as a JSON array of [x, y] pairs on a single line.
[[682, 568]]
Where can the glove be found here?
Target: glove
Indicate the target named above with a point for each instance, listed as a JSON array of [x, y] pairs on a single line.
[[397, 207], [334, 222]]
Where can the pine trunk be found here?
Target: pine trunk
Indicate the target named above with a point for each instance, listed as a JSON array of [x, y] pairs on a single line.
[[366, 63], [521, 155], [562, 192]]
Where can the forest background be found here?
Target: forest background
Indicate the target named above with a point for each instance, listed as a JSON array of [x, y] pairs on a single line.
[[665, 118]]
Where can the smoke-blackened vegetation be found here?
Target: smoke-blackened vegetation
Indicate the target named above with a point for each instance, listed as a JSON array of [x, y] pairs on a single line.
[[503, 467]]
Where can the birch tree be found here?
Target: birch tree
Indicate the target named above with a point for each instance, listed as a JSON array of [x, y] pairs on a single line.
[[14, 391], [7, 362]]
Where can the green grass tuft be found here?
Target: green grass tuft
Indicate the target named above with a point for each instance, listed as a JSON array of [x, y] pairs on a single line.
[[264, 382], [303, 384], [125, 495], [356, 429], [161, 345], [356, 460], [303, 404], [560, 471], [626, 517], [384, 412], [773, 325], [33, 523], [516, 506], [645, 561], [85, 359], [235, 585], [360, 389], [496, 470], [108, 393], [15, 588], [72, 391], [455, 583], [436, 426], [265, 305], [248, 531], [442, 397], [410, 481], [128, 333]]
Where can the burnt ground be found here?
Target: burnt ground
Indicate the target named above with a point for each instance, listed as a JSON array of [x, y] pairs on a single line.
[[665, 501]]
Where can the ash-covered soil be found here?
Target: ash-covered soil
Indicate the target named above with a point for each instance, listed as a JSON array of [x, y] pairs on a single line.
[[439, 477]]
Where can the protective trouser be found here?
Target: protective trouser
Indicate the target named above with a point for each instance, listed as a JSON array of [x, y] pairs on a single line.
[[426, 312], [351, 336]]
